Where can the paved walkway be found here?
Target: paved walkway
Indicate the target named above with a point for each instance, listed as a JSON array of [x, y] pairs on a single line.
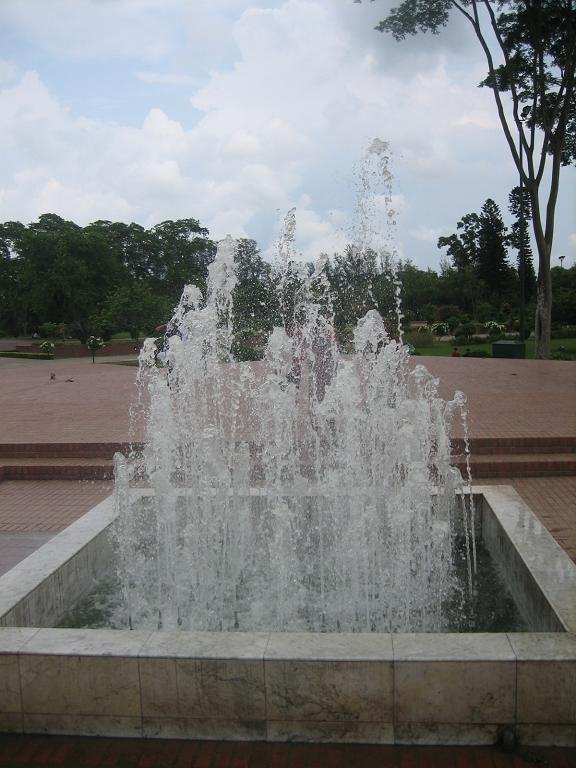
[[90, 403]]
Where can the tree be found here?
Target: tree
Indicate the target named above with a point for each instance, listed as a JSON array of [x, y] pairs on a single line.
[[519, 238], [133, 307], [183, 255], [530, 50], [492, 264]]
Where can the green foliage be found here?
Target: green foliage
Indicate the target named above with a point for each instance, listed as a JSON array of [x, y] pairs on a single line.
[[530, 51], [48, 330], [28, 355], [419, 339], [54, 269], [464, 332]]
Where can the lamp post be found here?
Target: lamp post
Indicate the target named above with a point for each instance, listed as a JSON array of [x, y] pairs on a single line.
[[561, 260]]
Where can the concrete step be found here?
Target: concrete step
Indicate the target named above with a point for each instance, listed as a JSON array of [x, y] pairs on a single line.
[[520, 465], [516, 445], [61, 450], [55, 469]]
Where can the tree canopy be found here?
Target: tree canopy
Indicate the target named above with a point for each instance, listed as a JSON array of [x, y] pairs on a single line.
[[530, 52]]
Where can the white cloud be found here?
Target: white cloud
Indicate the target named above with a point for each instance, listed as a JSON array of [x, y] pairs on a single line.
[[311, 84], [167, 78], [8, 71], [573, 239], [427, 234]]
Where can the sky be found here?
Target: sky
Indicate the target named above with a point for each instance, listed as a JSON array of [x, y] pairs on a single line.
[[234, 111]]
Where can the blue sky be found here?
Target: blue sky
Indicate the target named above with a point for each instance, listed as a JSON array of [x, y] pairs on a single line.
[[233, 111]]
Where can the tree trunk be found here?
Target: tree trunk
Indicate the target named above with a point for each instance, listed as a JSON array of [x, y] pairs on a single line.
[[543, 320]]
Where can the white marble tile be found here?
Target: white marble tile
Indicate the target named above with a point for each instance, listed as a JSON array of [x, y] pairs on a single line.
[[10, 700], [325, 691], [12, 639], [445, 733], [204, 729], [452, 647], [206, 645], [547, 692], [203, 688], [339, 733], [86, 642], [80, 685], [329, 646], [83, 725], [454, 691], [543, 646], [546, 735]]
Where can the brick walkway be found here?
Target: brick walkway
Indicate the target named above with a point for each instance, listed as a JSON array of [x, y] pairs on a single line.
[[69, 752]]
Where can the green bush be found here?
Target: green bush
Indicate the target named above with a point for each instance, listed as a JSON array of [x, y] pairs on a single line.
[[419, 339], [48, 330], [465, 331], [566, 332], [28, 355], [561, 353], [453, 323], [476, 353]]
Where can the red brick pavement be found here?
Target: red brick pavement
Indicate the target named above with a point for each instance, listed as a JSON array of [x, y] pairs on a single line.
[[47, 505], [69, 752], [507, 399], [92, 408], [511, 398]]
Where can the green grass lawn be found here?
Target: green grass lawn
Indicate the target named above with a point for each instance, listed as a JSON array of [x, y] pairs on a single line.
[[444, 349]]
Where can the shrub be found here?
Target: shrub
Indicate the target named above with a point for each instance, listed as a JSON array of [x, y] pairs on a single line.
[[465, 331], [477, 353], [440, 329], [453, 322], [566, 332], [48, 330], [28, 355], [422, 338], [562, 354], [93, 343]]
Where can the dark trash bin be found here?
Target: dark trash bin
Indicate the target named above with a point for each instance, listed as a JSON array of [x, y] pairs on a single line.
[[516, 349]]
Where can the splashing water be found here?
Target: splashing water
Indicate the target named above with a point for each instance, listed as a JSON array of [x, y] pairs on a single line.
[[309, 491]]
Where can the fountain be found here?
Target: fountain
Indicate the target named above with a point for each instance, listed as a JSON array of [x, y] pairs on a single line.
[[305, 492], [286, 547]]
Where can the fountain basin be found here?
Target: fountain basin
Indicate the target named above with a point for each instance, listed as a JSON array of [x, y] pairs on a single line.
[[375, 688]]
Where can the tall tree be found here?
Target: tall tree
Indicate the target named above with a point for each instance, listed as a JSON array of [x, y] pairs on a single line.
[[519, 238], [492, 262], [530, 51]]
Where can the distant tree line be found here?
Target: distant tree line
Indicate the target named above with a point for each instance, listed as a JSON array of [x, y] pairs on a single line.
[[59, 278]]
